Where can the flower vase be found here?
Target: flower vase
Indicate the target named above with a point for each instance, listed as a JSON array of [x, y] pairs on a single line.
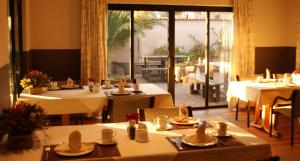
[[36, 90], [19, 142]]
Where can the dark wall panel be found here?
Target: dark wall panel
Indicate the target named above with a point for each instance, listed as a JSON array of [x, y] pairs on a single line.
[[277, 59], [57, 63]]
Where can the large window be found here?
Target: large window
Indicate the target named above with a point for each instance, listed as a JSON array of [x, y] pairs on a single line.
[[149, 42]]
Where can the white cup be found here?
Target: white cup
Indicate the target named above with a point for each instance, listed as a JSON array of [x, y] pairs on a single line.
[[108, 135], [53, 85], [222, 128], [107, 83], [136, 87], [162, 120], [142, 135]]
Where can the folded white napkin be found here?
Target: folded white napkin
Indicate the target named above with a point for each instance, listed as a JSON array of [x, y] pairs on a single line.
[[200, 132], [70, 82], [268, 74], [142, 126], [75, 141], [121, 87]]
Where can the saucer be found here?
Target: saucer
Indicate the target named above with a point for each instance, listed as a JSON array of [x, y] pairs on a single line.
[[111, 143], [216, 134], [64, 150], [169, 127], [104, 87], [53, 89], [136, 91]]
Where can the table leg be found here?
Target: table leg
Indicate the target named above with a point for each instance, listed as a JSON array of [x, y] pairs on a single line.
[[65, 119]]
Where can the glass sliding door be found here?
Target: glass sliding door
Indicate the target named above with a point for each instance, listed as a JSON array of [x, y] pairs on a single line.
[[190, 48], [118, 44], [151, 47], [221, 37], [182, 49]]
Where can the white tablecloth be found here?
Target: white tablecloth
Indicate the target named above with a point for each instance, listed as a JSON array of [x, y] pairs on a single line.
[[158, 148], [82, 101], [261, 93]]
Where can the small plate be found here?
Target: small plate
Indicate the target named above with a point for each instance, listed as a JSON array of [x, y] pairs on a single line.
[[191, 121], [64, 150], [136, 91], [211, 141], [53, 89], [216, 134], [69, 87], [104, 87], [117, 93], [101, 143], [127, 85]]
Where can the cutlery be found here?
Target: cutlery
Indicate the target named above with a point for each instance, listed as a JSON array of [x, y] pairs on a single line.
[[174, 140], [47, 149]]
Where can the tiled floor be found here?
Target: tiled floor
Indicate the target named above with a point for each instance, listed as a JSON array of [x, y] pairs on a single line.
[[183, 96]]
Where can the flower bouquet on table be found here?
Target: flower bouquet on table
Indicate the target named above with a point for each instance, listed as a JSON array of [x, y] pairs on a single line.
[[36, 82], [94, 86], [296, 77], [20, 122], [133, 116]]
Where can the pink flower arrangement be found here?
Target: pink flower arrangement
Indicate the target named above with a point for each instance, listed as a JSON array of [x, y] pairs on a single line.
[[22, 119], [92, 80], [35, 78], [132, 116]]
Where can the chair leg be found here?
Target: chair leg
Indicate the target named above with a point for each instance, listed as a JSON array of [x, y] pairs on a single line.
[[248, 116], [271, 122], [292, 131], [237, 109]]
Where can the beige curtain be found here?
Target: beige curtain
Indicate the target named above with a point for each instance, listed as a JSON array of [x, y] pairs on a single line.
[[298, 37], [242, 57], [93, 39]]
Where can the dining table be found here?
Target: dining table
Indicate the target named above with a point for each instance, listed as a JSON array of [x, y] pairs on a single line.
[[81, 100], [247, 146], [263, 93]]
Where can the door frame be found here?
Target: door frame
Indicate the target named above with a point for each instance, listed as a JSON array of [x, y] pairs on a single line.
[[171, 9]]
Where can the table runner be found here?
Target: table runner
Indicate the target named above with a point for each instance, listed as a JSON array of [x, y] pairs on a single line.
[[98, 152]]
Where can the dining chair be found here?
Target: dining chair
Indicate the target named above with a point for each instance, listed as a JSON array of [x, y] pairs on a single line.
[[249, 104], [119, 106], [289, 107], [102, 82], [272, 158], [150, 114]]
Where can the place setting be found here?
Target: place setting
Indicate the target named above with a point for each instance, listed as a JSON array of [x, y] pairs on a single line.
[[70, 84], [182, 121], [202, 138], [76, 149]]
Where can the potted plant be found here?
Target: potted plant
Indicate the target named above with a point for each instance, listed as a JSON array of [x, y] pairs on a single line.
[[20, 122], [35, 81]]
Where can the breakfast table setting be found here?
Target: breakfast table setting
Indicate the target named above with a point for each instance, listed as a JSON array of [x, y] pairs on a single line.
[[263, 92], [74, 99], [210, 139]]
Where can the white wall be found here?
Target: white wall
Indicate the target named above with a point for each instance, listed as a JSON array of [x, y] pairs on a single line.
[[177, 2], [4, 56], [274, 23], [54, 24]]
